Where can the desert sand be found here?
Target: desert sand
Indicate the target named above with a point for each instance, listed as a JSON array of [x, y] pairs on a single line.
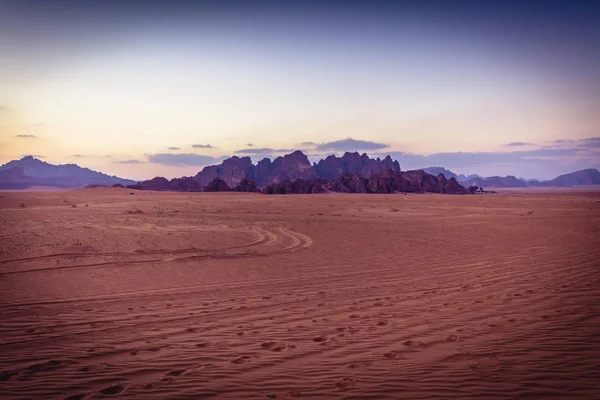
[[247, 296]]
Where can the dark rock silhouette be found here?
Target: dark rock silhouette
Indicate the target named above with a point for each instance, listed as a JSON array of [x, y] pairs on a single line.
[[185, 184], [157, 183], [246, 185], [299, 186], [589, 176], [217, 185], [291, 166], [231, 171], [31, 171], [333, 167], [389, 181], [441, 170], [497, 181]]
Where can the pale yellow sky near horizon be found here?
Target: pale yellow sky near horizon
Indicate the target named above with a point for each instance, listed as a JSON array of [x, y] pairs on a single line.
[[102, 94]]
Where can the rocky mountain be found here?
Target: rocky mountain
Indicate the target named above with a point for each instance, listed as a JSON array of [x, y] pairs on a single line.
[[293, 173], [231, 171], [441, 170], [15, 178], [333, 167], [388, 181], [30, 171], [217, 185], [496, 182], [589, 176], [185, 184], [292, 167]]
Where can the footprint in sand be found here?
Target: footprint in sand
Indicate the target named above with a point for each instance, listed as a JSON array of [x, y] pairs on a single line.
[[345, 383], [76, 397], [113, 390], [414, 343], [47, 366], [277, 347], [241, 360], [177, 372], [356, 365], [393, 355]]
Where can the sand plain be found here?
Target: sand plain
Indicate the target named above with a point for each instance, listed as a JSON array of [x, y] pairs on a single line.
[[243, 296]]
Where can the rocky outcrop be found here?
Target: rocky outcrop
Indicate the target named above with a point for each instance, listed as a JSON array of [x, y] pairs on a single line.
[[185, 184], [30, 171], [496, 182], [589, 176], [334, 167], [231, 171], [291, 167], [440, 170], [299, 186], [388, 181], [158, 183], [217, 185], [246, 185]]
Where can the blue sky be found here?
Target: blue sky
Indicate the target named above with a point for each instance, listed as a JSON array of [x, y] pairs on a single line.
[[144, 88]]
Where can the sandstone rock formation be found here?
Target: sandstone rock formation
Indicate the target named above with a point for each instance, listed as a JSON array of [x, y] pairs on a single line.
[[231, 171], [388, 181], [353, 163], [30, 171], [185, 184], [217, 185], [246, 185], [291, 166], [158, 183], [299, 186]]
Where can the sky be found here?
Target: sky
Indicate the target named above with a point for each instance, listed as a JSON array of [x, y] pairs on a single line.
[[162, 88]]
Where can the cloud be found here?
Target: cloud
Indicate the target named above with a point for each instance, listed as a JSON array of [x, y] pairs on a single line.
[[589, 143], [593, 142], [129, 162], [517, 144], [4, 108], [26, 136], [263, 151], [183, 159], [351, 145], [250, 144], [203, 146], [78, 155], [174, 148], [308, 143]]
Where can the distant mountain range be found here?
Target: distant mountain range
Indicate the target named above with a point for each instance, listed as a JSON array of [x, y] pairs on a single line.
[[293, 173], [582, 177], [293, 166], [236, 171], [29, 171]]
